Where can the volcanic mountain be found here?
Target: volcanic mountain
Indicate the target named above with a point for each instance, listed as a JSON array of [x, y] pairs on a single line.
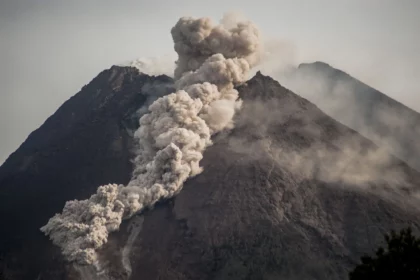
[[380, 118], [288, 193]]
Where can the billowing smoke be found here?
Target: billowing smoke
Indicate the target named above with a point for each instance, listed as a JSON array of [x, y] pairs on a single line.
[[197, 40], [172, 136]]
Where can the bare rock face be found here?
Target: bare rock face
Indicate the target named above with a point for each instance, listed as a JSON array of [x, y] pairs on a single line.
[[289, 193]]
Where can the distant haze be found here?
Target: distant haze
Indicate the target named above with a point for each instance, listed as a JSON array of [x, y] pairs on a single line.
[[50, 48]]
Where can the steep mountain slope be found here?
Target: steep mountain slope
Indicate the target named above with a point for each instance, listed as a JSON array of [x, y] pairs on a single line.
[[86, 143], [380, 118], [289, 193]]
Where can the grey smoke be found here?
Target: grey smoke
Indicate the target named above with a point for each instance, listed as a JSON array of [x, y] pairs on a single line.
[[153, 91], [196, 40], [362, 108], [172, 136], [344, 160]]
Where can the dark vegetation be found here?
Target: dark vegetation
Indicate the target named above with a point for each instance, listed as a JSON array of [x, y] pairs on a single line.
[[400, 259]]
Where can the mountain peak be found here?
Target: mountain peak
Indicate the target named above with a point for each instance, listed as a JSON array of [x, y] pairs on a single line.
[[87, 142], [386, 121], [318, 64]]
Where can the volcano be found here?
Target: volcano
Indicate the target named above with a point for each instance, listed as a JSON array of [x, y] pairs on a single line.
[[289, 193]]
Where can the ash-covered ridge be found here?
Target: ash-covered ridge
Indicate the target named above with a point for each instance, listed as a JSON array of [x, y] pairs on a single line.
[[372, 113]]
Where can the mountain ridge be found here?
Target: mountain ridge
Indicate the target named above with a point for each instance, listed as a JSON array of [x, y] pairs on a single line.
[[372, 113], [328, 67]]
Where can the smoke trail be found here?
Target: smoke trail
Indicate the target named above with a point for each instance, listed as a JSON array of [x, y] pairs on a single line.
[[135, 226], [172, 136]]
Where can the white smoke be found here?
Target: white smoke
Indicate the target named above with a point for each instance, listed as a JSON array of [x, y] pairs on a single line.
[[153, 66], [172, 136]]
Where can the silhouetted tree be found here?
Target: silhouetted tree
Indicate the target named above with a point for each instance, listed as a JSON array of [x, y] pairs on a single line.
[[399, 260], [2, 277]]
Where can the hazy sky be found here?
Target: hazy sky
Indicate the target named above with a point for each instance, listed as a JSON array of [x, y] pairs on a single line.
[[50, 48]]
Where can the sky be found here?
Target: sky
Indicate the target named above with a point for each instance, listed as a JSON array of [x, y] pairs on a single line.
[[49, 49]]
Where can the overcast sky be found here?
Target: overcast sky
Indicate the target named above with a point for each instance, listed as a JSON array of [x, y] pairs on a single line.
[[50, 48]]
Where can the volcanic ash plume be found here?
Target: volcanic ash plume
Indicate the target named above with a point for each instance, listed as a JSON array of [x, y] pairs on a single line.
[[172, 136]]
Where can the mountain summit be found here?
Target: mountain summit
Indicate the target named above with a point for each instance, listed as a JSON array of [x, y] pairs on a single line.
[[288, 193], [380, 118]]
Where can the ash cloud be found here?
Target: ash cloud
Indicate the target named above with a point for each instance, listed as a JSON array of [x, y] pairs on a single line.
[[196, 40], [212, 60]]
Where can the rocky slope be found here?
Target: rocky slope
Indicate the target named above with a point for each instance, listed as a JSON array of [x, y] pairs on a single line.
[[288, 194], [370, 112]]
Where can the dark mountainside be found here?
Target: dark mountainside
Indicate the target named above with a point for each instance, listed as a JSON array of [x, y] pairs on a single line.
[[363, 108], [287, 194], [86, 143]]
